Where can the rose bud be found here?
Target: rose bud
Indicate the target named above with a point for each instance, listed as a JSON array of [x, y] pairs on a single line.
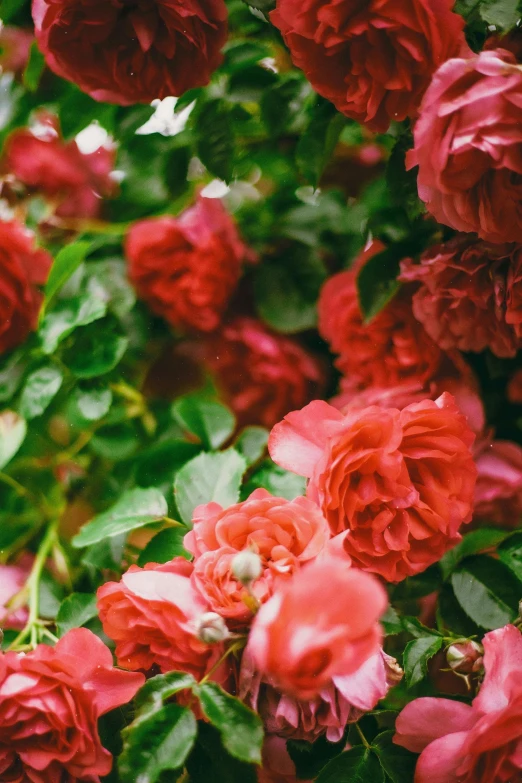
[[465, 657], [247, 567], [211, 628]]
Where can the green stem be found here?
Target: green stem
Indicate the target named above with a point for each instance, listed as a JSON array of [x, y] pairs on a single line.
[[363, 738], [33, 585], [11, 482]]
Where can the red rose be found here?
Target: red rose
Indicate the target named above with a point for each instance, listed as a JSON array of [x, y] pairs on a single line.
[[373, 59], [388, 350], [23, 267], [153, 614], [126, 54], [43, 162], [514, 388], [186, 268], [261, 374], [50, 702], [398, 483], [468, 146], [468, 295], [471, 743], [498, 492]]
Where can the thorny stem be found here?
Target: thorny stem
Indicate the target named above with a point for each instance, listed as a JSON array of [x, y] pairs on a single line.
[[33, 587]]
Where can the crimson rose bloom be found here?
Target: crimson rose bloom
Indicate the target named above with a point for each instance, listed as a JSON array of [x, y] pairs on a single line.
[[43, 162], [305, 636], [392, 348], [468, 146], [467, 290], [127, 53], [477, 743], [399, 483], [23, 267], [50, 702], [152, 614], [261, 375], [186, 268], [373, 59]]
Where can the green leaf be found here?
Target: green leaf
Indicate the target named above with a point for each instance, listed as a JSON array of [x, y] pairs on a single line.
[[158, 689], [241, 729], [11, 374], [377, 281], [391, 622], [65, 264], [397, 762], [34, 68], [452, 617], [206, 478], [160, 741], [165, 546], [92, 404], [358, 765], [277, 481], [286, 290], [261, 5], [501, 13], [75, 610], [416, 656], [402, 184], [67, 316], [310, 757], [472, 543], [510, 552], [212, 422], [318, 142], [135, 508], [487, 591], [251, 443], [91, 356], [279, 104], [215, 144], [13, 430], [39, 390], [10, 8], [210, 763]]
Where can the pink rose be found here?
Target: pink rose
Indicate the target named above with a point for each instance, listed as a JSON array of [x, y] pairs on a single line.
[[277, 765], [342, 701], [284, 534], [322, 623], [467, 146], [50, 702], [12, 579], [498, 491], [477, 743], [152, 614], [396, 484]]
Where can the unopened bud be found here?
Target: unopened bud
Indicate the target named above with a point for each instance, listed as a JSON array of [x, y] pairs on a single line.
[[465, 657], [247, 567], [212, 629]]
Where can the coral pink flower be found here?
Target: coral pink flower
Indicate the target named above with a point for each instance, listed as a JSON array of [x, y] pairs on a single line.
[[498, 491], [127, 54], [186, 268], [372, 59], [467, 146], [398, 483], [50, 702], [23, 268], [322, 623], [261, 374], [42, 161], [153, 615], [389, 350], [12, 579], [480, 743], [464, 294], [284, 533], [344, 700]]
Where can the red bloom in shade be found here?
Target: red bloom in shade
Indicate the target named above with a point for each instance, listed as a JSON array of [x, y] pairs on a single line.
[[152, 614], [50, 702], [284, 533], [399, 483], [126, 54], [464, 294], [514, 389], [44, 163], [277, 766], [342, 701], [304, 636], [373, 59], [23, 267], [390, 349], [498, 491], [261, 375], [477, 743], [468, 146], [186, 268]]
